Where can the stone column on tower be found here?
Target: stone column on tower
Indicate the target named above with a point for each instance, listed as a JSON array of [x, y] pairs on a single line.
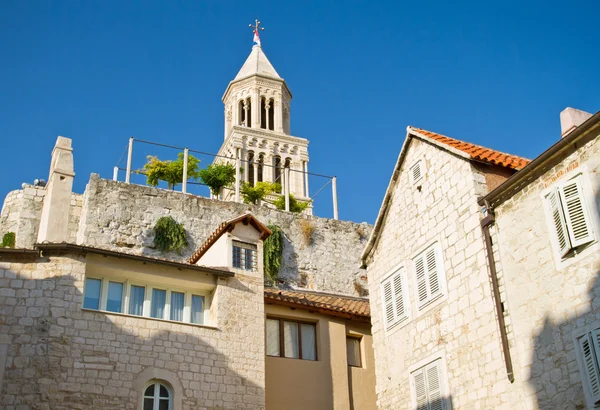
[[255, 108]]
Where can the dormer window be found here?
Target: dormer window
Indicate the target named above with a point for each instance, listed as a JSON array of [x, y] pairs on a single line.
[[244, 256]]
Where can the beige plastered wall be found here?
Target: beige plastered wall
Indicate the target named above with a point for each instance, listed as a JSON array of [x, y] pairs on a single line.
[[327, 383]]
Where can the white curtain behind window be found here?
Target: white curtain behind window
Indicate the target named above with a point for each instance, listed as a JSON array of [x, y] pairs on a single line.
[[159, 300], [290, 337], [273, 347], [136, 300], [177, 302], [197, 309], [308, 342]]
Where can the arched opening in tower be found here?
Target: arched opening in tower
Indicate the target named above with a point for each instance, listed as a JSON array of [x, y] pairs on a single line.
[[263, 113], [241, 113], [261, 162], [251, 168], [272, 115], [277, 170]]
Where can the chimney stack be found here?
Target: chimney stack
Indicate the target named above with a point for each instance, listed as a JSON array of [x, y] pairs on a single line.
[[57, 201], [571, 118]]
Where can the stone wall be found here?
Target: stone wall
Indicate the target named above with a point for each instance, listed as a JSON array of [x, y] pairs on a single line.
[[21, 214], [319, 253], [549, 301], [59, 356], [460, 328]]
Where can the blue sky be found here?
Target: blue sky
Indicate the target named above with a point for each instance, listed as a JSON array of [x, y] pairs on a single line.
[[100, 71]]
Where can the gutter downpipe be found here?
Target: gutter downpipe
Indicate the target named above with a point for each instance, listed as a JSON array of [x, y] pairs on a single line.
[[485, 227]]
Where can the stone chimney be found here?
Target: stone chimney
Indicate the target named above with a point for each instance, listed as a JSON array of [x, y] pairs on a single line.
[[570, 118], [57, 201]]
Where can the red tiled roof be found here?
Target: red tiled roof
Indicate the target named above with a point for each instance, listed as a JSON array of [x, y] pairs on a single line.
[[477, 152], [228, 226], [326, 303]]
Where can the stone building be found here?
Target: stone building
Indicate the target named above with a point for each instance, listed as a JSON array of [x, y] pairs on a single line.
[[472, 311], [94, 315]]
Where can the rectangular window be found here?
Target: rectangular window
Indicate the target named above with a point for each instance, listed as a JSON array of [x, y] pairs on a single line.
[[197, 309], [589, 351], [353, 351], [427, 387], [430, 275], [177, 304], [244, 256], [91, 299], [146, 301], [571, 220], [137, 295], [291, 339], [395, 302], [157, 305], [114, 299]]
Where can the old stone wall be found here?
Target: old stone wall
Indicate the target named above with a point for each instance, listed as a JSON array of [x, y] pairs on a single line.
[[460, 328], [319, 253], [548, 300], [58, 356], [21, 214]]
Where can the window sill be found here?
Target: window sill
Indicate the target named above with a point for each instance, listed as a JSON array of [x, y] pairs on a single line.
[[293, 358], [430, 303], [105, 312]]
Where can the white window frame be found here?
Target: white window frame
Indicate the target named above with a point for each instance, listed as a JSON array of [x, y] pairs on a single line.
[[420, 163], [588, 202], [156, 397], [398, 272], [578, 334], [442, 294], [149, 286], [253, 247], [440, 360]]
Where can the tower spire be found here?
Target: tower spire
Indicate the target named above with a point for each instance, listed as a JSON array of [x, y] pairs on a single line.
[[255, 29]]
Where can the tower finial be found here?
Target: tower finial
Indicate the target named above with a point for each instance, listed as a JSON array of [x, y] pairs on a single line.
[[255, 28]]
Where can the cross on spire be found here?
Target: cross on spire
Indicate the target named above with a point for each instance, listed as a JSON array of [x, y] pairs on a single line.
[[257, 26]]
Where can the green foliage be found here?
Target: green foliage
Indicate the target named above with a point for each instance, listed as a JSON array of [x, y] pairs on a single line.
[[252, 194], [217, 176], [169, 235], [295, 205], [8, 240], [273, 253], [169, 171]]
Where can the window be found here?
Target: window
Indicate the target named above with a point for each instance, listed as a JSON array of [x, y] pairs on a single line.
[[416, 172], [429, 275], [395, 304], [157, 396], [244, 256], [291, 339], [571, 220], [426, 384], [146, 301], [353, 351], [589, 352]]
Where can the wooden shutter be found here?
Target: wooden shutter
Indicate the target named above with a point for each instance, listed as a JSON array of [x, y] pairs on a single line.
[[558, 222], [400, 308], [433, 272], [388, 303], [590, 362], [421, 279], [577, 218], [420, 389], [434, 386]]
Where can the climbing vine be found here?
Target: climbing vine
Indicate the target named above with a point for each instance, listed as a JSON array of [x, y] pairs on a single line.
[[169, 235], [273, 253]]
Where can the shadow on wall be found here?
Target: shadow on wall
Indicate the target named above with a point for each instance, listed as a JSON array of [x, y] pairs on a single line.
[[555, 374], [61, 357]]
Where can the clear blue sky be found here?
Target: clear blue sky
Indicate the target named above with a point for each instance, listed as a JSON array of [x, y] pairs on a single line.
[[360, 72]]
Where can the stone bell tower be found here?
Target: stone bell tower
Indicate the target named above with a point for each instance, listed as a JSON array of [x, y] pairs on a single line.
[[257, 126]]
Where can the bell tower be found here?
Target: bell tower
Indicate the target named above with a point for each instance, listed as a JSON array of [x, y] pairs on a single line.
[[257, 125]]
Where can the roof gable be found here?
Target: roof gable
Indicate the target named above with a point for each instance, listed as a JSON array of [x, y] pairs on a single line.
[[227, 226]]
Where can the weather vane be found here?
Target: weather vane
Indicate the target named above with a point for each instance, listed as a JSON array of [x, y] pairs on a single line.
[[255, 28]]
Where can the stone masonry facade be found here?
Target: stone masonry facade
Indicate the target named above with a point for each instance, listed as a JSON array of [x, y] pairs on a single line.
[[59, 356], [460, 328]]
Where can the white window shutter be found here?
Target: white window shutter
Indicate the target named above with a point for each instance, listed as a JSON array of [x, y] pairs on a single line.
[[591, 364], [416, 172], [434, 386], [399, 296], [558, 222], [420, 389], [388, 304], [577, 219], [433, 272], [421, 279]]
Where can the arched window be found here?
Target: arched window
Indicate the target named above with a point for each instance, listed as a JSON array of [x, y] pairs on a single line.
[[277, 169], [158, 396], [263, 113], [271, 114], [241, 113], [261, 161], [251, 168]]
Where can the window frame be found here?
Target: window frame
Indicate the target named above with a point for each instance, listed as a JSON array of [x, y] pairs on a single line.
[[587, 201], [399, 270], [299, 322], [442, 293], [440, 361], [587, 332], [156, 397], [146, 305], [252, 247], [358, 339]]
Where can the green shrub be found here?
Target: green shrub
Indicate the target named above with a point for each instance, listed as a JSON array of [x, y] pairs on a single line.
[[217, 176], [252, 194], [169, 235], [169, 171], [295, 205]]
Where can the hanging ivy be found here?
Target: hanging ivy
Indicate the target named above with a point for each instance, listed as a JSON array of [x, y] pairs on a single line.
[[169, 235], [273, 253], [8, 240]]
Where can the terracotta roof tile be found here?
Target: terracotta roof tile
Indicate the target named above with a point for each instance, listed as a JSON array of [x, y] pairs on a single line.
[[338, 305], [477, 152], [227, 226]]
